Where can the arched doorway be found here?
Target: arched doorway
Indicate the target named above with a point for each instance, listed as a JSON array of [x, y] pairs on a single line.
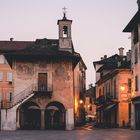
[[55, 116], [29, 116]]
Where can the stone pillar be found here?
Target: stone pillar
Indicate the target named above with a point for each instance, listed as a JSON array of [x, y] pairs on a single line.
[[69, 119], [133, 126], [18, 120], [42, 119], [8, 119], [22, 118]]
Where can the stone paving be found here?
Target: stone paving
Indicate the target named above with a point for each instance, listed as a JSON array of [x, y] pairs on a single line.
[[83, 134]]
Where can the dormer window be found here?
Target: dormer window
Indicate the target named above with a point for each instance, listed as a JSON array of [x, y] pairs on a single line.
[[65, 31]]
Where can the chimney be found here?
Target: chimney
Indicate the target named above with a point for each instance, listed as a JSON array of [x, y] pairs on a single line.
[[138, 2], [11, 39], [121, 51], [105, 56], [102, 58]]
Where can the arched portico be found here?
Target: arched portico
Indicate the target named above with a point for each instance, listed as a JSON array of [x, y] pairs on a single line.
[[55, 116], [29, 115]]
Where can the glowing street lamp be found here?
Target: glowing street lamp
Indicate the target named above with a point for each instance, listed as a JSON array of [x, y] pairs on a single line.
[[81, 101], [122, 88]]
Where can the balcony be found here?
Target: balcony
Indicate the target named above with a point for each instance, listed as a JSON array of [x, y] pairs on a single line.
[[100, 100], [110, 98], [43, 91]]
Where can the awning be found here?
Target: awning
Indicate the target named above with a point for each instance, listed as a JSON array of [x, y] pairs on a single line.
[[135, 99], [110, 107], [100, 108]]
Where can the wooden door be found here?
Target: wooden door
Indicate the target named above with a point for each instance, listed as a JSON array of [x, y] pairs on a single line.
[[137, 116], [42, 82]]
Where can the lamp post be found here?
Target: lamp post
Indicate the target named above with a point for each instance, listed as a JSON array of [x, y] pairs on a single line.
[[82, 112]]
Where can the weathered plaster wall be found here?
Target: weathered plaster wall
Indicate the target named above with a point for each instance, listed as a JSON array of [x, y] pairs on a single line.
[[124, 96], [60, 79], [5, 86]]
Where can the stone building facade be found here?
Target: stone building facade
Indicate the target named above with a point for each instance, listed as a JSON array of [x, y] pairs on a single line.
[[90, 107], [45, 83], [133, 27], [113, 90], [6, 87]]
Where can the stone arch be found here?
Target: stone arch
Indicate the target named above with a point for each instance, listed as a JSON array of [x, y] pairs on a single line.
[[55, 115], [29, 115]]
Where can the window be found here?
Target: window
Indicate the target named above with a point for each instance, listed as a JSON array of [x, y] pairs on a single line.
[[136, 35], [100, 92], [9, 76], [136, 55], [9, 96], [115, 95], [136, 83], [1, 76], [0, 96], [109, 89], [90, 108], [42, 82], [103, 91], [90, 100], [81, 96], [129, 84]]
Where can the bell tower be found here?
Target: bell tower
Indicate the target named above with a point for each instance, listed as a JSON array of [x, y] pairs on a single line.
[[65, 42]]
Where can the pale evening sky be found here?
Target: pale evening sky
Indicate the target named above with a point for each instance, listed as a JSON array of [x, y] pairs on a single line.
[[96, 29]]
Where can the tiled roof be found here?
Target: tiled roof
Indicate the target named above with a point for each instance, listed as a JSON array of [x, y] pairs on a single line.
[[47, 47], [6, 46], [134, 21], [110, 59], [113, 62], [39, 49]]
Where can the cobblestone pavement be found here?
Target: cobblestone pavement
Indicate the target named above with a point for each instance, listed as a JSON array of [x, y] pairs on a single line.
[[83, 134]]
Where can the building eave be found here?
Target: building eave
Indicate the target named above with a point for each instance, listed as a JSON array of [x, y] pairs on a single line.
[[133, 22]]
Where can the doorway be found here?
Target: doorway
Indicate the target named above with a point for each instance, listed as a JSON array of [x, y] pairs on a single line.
[[137, 116]]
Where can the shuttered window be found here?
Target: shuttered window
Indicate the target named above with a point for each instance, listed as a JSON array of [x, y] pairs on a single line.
[[9, 76], [9, 96], [136, 83]]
